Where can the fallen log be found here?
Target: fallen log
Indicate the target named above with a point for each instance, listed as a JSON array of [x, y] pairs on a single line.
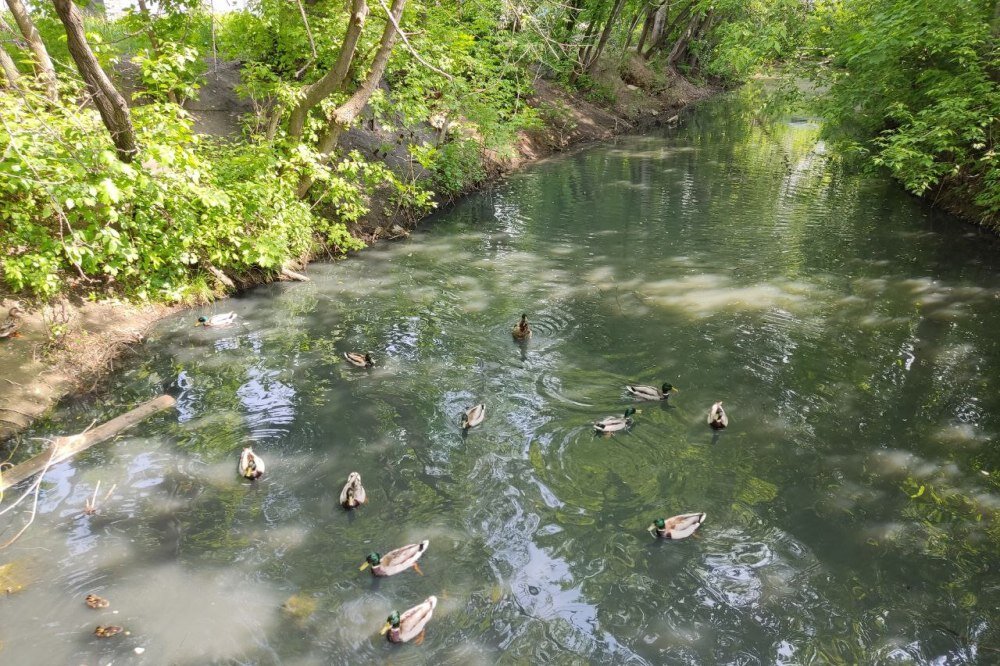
[[67, 447]]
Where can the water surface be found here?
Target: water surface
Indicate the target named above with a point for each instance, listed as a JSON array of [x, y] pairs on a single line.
[[852, 503]]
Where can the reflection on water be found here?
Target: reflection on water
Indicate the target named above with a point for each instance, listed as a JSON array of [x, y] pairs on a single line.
[[852, 503]]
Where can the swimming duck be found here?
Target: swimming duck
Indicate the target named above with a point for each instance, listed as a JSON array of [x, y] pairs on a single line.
[[10, 325], [717, 416], [677, 527], [395, 561], [94, 601], [359, 360], [217, 321], [473, 416], [651, 392], [402, 628], [611, 424], [353, 495], [521, 329], [108, 631], [251, 465]]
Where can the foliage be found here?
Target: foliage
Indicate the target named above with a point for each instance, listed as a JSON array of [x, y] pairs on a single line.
[[456, 165], [171, 71], [913, 86], [72, 215]]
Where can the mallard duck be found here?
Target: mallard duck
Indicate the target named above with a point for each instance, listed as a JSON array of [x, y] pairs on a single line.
[[108, 631], [521, 329], [717, 416], [94, 601], [651, 392], [359, 360], [409, 625], [395, 561], [611, 424], [353, 494], [677, 527], [251, 465], [473, 416], [10, 326], [217, 321]]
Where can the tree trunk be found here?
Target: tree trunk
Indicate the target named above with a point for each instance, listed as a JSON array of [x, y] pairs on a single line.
[[631, 30], [349, 110], [334, 79], [682, 42], [602, 42], [581, 58], [572, 15], [109, 102], [646, 25], [154, 42], [43, 64], [10, 73], [665, 33]]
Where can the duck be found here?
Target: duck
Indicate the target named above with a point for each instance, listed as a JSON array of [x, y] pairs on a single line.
[[717, 417], [677, 527], [651, 392], [396, 561], [217, 321], [521, 329], [611, 424], [94, 601], [359, 360], [12, 324], [353, 495], [251, 465], [473, 416], [409, 625], [107, 631]]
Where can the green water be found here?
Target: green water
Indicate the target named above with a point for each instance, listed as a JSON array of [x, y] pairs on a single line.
[[852, 503]]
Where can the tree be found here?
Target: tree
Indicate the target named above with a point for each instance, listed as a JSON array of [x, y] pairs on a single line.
[[7, 65], [109, 102], [43, 64]]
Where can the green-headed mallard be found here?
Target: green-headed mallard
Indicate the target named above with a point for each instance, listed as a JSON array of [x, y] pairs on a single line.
[[611, 424], [94, 601], [251, 465], [677, 527], [409, 625], [651, 392], [395, 561], [359, 360], [10, 325], [473, 416], [717, 416], [353, 495], [521, 329], [217, 321]]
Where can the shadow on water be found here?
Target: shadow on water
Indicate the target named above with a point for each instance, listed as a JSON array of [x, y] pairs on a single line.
[[852, 515]]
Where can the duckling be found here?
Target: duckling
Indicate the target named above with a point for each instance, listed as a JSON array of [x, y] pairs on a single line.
[[677, 527], [108, 631], [396, 561], [251, 465], [10, 326], [473, 416], [610, 424], [359, 360], [94, 601], [717, 417], [217, 321], [353, 495], [521, 330], [651, 392], [409, 625]]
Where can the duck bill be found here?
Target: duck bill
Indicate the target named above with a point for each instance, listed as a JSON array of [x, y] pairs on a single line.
[[363, 566], [385, 629], [675, 390], [652, 528]]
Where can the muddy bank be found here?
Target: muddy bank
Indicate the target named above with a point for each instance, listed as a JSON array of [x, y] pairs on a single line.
[[67, 347]]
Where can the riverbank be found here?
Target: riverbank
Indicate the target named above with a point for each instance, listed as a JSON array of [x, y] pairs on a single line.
[[66, 347]]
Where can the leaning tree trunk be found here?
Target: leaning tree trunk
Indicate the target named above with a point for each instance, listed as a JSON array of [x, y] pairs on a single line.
[[602, 42], [334, 79], [10, 73], [665, 32], [43, 64], [109, 102], [680, 46], [347, 112]]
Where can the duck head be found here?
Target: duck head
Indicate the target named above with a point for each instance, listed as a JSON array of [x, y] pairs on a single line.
[[372, 560], [391, 622], [658, 524], [629, 412], [669, 388]]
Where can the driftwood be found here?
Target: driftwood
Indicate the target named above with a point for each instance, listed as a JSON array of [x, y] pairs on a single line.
[[221, 277], [64, 448], [289, 274]]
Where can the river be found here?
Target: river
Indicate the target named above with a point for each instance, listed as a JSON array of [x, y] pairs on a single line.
[[852, 503]]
